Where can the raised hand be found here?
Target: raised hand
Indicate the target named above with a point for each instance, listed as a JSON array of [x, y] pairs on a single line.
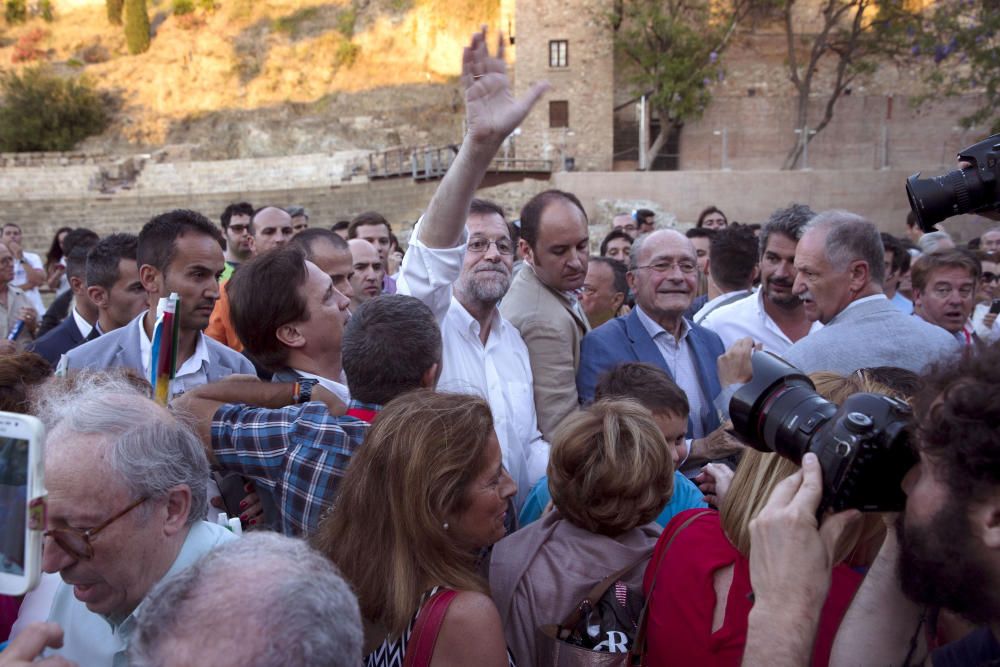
[[491, 110]]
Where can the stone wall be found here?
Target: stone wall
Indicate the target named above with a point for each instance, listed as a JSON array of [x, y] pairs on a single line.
[[679, 196], [587, 84], [58, 197]]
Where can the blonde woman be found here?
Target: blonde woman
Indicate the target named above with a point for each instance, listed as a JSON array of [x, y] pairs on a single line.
[[423, 497], [703, 595]]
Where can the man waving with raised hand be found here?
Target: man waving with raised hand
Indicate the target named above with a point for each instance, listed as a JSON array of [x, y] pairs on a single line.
[[459, 263]]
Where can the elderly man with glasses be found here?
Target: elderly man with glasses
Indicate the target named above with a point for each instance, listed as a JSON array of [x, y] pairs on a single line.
[[663, 276], [127, 485]]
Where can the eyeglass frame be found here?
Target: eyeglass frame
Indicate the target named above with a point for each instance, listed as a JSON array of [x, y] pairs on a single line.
[[86, 535], [993, 277], [669, 264], [489, 242]]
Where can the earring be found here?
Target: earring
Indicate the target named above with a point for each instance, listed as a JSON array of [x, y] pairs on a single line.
[[445, 524]]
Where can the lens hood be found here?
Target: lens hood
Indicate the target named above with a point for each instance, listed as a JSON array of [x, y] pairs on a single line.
[[770, 372]]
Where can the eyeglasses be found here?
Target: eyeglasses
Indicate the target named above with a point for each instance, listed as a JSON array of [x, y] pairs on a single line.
[[990, 277], [77, 542], [239, 229], [479, 244], [945, 291], [663, 266]]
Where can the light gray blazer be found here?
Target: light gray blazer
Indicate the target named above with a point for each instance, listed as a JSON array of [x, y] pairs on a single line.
[[120, 349], [871, 334]]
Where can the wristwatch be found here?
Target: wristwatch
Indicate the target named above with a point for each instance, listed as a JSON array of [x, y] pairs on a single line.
[[303, 390]]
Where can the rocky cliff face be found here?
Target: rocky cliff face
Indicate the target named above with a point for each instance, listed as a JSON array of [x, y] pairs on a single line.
[[267, 77]]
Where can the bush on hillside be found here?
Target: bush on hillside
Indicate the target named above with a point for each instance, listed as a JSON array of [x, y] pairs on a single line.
[[15, 11], [136, 26], [41, 111]]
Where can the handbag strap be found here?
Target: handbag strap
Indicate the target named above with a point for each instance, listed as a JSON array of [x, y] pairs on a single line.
[[597, 592], [639, 645], [420, 648]]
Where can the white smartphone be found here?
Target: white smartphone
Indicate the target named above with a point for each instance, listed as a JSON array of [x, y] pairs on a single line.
[[22, 502]]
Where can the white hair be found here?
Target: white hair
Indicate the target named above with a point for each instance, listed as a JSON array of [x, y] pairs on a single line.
[[293, 609], [850, 237], [149, 449], [932, 242]]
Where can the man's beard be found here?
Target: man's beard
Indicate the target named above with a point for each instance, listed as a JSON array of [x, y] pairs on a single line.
[[788, 301], [939, 565], [485, 284]]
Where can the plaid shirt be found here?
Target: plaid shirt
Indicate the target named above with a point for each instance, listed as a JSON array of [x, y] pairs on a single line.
[[299, 452]]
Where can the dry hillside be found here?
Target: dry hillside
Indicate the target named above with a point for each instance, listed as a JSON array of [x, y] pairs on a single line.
[[267, 77]]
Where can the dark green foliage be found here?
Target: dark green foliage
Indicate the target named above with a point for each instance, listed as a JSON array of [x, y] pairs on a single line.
[[674, 50], [114, 11], [15, 11], [182, 7], [46, 10], [136, 26], [42, 111], [962, 37]]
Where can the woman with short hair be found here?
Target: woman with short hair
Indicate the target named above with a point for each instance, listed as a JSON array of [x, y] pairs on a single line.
[[424, 496], [610, 473]]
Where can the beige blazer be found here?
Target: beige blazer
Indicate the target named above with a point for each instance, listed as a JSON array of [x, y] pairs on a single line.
[[552, 329]]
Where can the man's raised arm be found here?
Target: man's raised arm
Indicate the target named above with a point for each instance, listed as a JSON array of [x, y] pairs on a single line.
[[491, 114]]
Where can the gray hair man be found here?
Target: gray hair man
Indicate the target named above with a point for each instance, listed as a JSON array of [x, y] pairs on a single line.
[[840, 270], [127, 486], [459, 263], [303, 614]]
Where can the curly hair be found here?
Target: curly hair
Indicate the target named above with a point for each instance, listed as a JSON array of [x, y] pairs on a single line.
[[958, 420]]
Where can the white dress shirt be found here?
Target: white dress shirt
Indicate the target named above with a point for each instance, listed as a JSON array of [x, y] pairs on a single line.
[[21, 277], [679, 357], [83, 325], [338, 389], [192, 373], [747, 317], [719, 302], [499, 371]]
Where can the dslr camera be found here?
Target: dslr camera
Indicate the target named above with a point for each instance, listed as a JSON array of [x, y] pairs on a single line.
[[863, 445], [969, 190]]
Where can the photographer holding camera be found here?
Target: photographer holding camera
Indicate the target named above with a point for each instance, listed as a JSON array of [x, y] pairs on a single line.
[[944, 552]]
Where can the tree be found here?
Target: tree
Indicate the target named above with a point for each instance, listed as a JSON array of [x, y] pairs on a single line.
[[675, 47], [963, 39], [45, 112], [114, 8], [136, 26], [852, 37]]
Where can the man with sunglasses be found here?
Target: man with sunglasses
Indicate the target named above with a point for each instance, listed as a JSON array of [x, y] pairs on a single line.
[[459, 263], [236, 228], [127, 485]]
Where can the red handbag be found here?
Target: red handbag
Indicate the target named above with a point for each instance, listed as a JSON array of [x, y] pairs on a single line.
[[420, 648]]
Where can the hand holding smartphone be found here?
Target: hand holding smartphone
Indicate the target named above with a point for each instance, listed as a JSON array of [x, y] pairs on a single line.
[[22, 502]]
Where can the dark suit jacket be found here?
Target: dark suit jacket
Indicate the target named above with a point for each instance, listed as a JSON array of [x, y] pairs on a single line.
[[58, 341], [57, 312], [625, 339]]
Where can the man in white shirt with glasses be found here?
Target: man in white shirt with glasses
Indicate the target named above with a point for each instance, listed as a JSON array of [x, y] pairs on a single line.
[[459, 263]]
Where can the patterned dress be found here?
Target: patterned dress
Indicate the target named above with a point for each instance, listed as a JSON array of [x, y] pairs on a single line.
[[391, 652]]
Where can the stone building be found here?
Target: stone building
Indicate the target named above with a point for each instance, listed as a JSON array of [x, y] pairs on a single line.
[[591, 118]]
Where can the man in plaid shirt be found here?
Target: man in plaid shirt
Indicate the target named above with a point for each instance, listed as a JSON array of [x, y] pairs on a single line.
[[300, 451]]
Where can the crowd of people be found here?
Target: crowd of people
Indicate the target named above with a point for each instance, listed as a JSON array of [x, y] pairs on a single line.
[[491, 447]]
